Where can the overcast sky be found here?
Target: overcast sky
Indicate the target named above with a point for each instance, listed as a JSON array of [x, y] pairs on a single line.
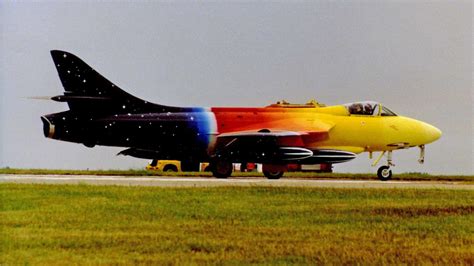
[[415, 57]]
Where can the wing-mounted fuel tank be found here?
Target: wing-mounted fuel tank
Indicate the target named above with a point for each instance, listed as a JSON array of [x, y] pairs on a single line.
[[329, 156], [264, 154]]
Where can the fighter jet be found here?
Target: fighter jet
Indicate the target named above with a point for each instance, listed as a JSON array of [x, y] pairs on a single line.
[[100, 113]]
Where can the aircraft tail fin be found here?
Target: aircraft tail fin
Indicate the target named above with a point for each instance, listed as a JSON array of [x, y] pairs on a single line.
[[88, 91]]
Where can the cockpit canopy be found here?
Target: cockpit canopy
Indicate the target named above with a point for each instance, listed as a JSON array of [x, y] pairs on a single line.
[[368, 108]]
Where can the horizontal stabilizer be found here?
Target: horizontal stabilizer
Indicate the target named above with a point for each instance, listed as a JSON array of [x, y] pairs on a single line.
[[63, 98]]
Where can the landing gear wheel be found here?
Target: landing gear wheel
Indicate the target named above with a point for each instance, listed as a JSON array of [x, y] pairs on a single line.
[[273, 171], [221, 169], [384, 173], [273, 174]]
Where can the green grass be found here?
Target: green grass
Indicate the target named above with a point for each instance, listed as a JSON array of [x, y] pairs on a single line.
[[80, 224], [134, 172]]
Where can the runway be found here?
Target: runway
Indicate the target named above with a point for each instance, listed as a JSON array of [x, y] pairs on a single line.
[[162, 181]]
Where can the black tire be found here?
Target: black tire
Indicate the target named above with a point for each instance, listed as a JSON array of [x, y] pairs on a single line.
[[170, 168], [273, 175], [221, 169], [384, 173]]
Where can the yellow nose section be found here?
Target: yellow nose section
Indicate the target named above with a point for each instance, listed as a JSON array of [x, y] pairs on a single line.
[[413, 132], [431, 133]]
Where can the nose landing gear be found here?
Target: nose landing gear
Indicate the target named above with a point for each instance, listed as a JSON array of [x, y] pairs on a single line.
[[421, 160], [384, 173]]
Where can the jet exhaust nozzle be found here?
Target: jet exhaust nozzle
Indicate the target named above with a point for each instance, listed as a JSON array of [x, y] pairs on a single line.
[[48, 127]]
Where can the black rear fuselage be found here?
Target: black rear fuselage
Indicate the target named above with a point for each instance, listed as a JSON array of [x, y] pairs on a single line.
[[170, 135]]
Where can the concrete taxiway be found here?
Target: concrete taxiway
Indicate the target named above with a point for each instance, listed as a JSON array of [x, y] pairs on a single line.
[[162, 181]]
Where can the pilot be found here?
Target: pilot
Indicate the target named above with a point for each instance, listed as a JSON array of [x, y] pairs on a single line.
[[368, 110], [356, 109]]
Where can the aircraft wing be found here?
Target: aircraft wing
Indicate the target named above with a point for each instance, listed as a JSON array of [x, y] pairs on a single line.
[[274, 144], [263, 145], [303, 131]]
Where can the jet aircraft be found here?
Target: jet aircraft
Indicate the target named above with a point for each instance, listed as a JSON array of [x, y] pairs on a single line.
[[100, 113]]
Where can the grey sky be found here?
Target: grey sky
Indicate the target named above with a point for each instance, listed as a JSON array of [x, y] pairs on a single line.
[[415, 57]]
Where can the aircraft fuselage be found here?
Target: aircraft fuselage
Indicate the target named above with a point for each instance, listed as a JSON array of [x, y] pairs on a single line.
[[100, 113], [192, 131]]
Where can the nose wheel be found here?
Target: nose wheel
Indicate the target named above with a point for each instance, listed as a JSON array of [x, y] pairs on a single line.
[[384, 173]]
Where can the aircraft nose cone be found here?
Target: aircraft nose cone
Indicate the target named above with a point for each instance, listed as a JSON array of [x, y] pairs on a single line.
[[432, 133]]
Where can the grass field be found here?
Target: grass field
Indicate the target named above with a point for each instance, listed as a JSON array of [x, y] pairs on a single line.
[[80, 224], [132, 172]]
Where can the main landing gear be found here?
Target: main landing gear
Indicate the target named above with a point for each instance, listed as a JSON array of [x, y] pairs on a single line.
[[223, 169], [273, 171]]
